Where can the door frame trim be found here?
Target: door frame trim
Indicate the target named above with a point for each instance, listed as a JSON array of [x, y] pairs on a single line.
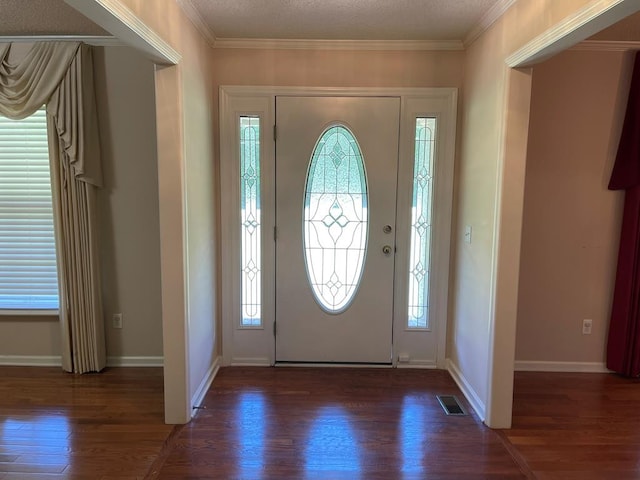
[[256, 346]]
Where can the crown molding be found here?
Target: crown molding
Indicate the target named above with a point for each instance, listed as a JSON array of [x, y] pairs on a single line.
[[576, 27], [192, 14], [116, 18], [96, 41], [488, 19], [295, 44], [607, 45]]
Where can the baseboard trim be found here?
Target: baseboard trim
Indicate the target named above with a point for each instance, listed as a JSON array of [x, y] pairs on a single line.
[[135, 361], [203, 388], [331, 365], [569, 367], [424, 364], [56, 361], [250, 362], [31, 360], [467, 390]]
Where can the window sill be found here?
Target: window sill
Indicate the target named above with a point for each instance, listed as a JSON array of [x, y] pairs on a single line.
[[28, 313]]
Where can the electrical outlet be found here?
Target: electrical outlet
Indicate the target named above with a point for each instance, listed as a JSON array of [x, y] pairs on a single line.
[[117, 320], [587, 323]]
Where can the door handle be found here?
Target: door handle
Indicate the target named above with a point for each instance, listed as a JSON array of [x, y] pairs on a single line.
[[387, 250]]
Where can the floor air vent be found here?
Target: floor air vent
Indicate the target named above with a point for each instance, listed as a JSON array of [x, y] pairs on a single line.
[[450, 405]]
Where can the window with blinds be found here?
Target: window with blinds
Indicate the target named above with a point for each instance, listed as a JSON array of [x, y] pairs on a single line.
[[28, 275]]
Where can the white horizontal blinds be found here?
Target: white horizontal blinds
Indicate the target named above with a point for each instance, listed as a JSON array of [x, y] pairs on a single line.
[[28, 276]]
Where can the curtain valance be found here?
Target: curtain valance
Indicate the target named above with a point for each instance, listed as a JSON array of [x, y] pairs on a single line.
[[59, 74]]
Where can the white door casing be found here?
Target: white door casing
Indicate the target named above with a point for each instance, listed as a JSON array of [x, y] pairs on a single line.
[[360, 333], [257, 345]]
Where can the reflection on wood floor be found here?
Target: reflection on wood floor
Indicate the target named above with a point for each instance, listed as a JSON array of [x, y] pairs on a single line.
[[577, 426], [281, 423], [334, 424], [55, 425]]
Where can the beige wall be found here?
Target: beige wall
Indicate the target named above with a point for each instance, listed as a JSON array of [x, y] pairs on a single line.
[[571, 222], [187, 186], [201, 183], [475, 200], [128, 214], [490, 190], [128, 203], [30, 336], [336, 68]]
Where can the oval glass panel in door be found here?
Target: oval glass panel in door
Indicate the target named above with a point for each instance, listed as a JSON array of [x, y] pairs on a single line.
[[335, 226]]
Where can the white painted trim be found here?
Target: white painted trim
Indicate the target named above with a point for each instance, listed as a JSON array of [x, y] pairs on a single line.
[[487, 20], [97, 41], [56, 361], [578, 26], [299, 44], [246, 346], [466, 389], [250, 362], [606, 46], [577, 367], [47, 315], [135, 361], [423, 346], [31, 360], [204, 386], [241, 90], [331, 365], [119, 20], [192, 14], [241, 346], [424, 364], [495, 251]]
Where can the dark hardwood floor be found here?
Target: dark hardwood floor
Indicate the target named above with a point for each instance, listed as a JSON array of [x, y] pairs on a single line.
[[572, 426], [317, 424], [334, 424], [55, 425]]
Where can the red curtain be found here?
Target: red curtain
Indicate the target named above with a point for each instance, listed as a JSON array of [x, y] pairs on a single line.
[[623, 346]]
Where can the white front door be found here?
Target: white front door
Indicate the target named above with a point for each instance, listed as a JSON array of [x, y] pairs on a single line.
[[336, 180]]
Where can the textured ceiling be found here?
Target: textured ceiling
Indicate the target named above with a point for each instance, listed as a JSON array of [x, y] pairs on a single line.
[[295, 19], [43, 17], [342, 19]]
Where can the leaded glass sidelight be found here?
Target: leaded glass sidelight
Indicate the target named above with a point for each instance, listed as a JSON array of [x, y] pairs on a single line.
[[335, 219], [250, 221], [420, 252]]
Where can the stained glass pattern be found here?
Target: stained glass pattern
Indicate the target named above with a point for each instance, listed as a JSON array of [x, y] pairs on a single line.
[[250, 227], [420, 252], [335, 219]]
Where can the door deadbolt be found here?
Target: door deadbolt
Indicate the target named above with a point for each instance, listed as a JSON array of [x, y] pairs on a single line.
[[387, 229]]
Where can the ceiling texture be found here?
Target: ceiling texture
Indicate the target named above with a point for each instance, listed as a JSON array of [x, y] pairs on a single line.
[[44, 18], [437, 24], [341, 19], [285, 20]]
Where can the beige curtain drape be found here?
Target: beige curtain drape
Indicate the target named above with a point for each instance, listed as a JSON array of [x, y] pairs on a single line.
[[60, 74]]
